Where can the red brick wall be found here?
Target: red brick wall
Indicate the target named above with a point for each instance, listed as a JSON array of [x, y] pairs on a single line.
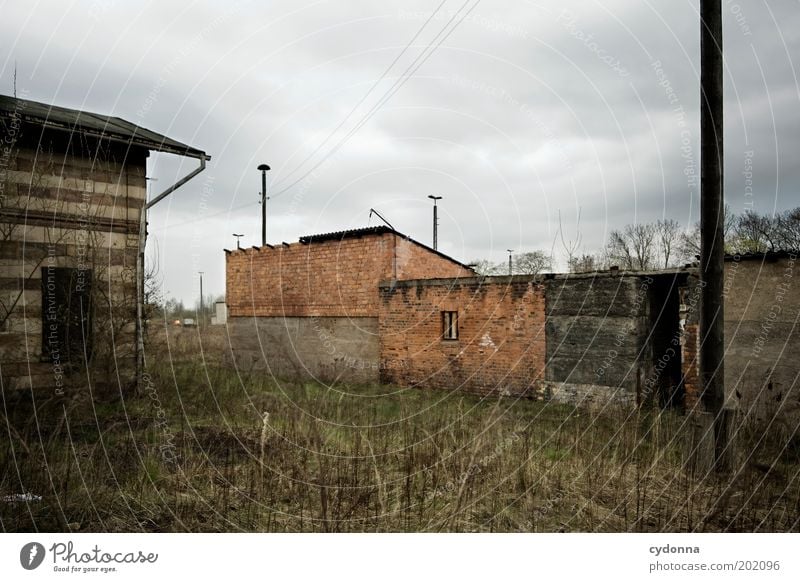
[[501, 345], [328, 278]]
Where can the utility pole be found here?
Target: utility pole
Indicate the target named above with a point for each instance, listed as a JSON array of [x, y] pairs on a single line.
[[435, 221], [509, 261], [712, 235], [264, 169], [238, 236], [202, 310]]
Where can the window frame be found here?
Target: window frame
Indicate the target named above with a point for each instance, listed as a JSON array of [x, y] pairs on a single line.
[[449, 326]]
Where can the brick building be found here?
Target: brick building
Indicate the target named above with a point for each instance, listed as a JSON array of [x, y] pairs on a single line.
[[580, 338], [311, 308], [475, 334], [72, 199]]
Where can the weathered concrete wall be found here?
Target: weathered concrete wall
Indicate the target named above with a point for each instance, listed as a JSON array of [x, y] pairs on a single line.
[[762, 356], [73, 204], [596, 329], [328, 349], [500, 348]]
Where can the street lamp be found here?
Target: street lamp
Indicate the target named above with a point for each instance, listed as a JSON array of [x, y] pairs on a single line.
[[202, 310], [264, 169], [509, 260], [238, 236], [435, 221]]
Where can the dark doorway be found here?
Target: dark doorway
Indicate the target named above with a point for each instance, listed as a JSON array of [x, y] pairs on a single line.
[[66, 315], [665, 383]]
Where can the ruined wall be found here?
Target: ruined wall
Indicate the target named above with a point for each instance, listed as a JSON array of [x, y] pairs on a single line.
[[328, 278], [326, 349], [78, 210], [501, 343], [596, 329], [762, 312]]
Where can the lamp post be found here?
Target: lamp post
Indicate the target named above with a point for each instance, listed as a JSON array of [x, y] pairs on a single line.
[[509, 260], [202, 310], [238, 236], [264, 169], [435, 221]]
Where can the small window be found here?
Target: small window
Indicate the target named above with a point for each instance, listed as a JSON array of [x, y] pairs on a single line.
[[450, 325]]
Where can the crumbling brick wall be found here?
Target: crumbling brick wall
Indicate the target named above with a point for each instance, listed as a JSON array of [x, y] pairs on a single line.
[[500, 346], [329, 278]]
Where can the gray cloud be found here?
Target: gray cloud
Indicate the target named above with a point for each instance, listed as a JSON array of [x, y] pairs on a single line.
[[525, 111]]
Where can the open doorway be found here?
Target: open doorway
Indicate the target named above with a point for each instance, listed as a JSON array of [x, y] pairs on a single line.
[[665, 384]]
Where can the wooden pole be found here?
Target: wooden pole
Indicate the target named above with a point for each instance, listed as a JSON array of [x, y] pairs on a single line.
[[712, 218]]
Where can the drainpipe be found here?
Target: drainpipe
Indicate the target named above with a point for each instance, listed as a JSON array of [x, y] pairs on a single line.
[[140, 265]]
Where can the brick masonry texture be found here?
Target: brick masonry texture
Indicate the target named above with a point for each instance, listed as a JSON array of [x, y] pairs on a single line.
[[333, 278], [501, 343]]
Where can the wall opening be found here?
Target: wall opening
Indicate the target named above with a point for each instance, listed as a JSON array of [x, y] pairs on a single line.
[[66, 315], [665, 383]]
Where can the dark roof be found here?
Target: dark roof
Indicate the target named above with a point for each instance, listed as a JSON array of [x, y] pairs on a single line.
[[767, 256], [373, 231], [94, 125], [352, 233]]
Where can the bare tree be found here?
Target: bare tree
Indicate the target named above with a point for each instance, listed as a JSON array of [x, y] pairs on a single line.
[[487, 268], [789, 230], [633, 248], [570, 246], [587, 263], [533, 263], [668, 237], [690, 240], [756, 233]]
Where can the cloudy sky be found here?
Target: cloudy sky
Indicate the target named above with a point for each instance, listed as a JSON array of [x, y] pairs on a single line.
[[516, 112]]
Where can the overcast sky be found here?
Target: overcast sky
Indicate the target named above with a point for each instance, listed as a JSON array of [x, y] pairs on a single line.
[[524, 111]]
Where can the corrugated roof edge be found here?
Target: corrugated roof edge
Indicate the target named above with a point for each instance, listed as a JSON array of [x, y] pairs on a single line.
[[375, 231], [95, 125]]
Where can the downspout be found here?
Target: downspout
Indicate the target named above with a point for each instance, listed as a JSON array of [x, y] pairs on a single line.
[[140, 265]]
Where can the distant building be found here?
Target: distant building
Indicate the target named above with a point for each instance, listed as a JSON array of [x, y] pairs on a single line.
[[73, 190], [220, 316], [311, 308]]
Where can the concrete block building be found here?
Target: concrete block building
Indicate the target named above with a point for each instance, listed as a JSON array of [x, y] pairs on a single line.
[[72, 197]]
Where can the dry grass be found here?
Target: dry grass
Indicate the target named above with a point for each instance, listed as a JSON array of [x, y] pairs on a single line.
[[196, 452]]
